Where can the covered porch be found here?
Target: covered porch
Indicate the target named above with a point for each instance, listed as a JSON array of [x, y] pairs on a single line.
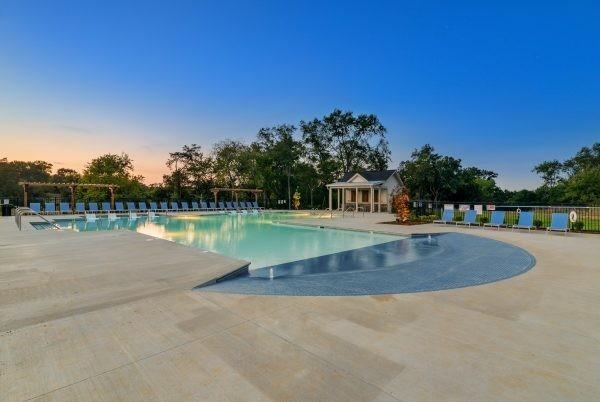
[[368, 197]]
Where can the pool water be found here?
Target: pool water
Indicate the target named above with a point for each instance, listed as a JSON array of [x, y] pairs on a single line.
[[259, 238]]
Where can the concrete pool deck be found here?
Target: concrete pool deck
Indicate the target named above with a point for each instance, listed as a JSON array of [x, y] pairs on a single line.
[[113, 316]]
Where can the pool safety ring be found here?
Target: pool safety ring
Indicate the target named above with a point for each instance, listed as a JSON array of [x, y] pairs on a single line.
[[573, 216]]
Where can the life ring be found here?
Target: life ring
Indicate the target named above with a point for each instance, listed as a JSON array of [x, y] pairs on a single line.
[[518, 210], [573, 216]]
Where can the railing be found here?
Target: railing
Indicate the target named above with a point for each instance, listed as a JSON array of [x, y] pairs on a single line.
[[353, 210], [589, 216], [23, 211]]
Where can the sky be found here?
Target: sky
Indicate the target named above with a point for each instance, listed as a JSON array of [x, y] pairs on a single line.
[[502, 86]]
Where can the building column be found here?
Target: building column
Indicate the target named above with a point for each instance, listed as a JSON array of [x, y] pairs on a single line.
[[338, 199], [330, 199], [356, 199], [379, 200], [25, 194], [216, 194], [371, 196]]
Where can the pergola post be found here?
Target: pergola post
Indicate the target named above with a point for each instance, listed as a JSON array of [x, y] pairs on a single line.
[[112, 197], [216, 194], [72, 190], [330, 199], [255, 197], [25, 194]]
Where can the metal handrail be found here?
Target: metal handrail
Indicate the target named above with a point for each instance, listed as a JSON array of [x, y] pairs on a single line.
[[20, 211]]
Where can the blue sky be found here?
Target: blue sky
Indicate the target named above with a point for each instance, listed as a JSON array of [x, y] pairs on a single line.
[[501, 86]]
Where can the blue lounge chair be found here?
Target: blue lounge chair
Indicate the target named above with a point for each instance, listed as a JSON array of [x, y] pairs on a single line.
[[469, 219], [50, 208], [243, 204], [235, 205], [164, 206], [153, 206], [195, 206], [35, 206], [447, 217], [496, 220], [559, 223], [131, 206], [203, 206], [525, 221], [93, 207], [119, 206], [174, 206], [106, 206], [142, 206], [185, 206], [223, 206], [65, 208], [212, 205], [255, 205], [80, 207]]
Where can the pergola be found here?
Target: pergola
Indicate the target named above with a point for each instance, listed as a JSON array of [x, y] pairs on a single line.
[[235, 191], [71, 186]]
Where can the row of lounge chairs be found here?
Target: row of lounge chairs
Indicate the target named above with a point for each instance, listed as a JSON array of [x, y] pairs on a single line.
[[559, 221], [95, 207]]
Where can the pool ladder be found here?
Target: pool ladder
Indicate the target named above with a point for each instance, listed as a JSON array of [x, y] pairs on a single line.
[[21, 211]]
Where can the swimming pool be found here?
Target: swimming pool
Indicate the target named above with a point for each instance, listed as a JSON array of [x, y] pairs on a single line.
[[260, 239]]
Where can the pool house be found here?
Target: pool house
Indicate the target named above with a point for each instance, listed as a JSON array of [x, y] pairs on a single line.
[[368, 191]]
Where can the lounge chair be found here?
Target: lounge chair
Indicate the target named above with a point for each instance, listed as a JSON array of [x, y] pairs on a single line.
[[212, 206], [559, 222], [185, 206], [203, 206], [65, 208], [119, 206], [496, 220], [153, 206], [93, 207], [35, 206], [235, 205], [525, 221], [223, 206], [174, 206], [164, 206], [469, 219], [80, 207], [255, 205], [106, 206], [131, 206], [90, 217], [151, 215], [243, 204], [447, 217], [142, 206], [49, 208], [195, 206]]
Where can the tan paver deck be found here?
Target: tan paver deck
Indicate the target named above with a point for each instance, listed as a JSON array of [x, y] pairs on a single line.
[[112, 316]]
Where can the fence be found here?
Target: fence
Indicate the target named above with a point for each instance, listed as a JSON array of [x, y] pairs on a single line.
[[588, 216]]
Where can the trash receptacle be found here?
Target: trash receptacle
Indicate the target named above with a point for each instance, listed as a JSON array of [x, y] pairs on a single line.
[[7, 209]]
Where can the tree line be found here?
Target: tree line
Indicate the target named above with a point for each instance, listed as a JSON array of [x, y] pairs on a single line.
[[289, 158]]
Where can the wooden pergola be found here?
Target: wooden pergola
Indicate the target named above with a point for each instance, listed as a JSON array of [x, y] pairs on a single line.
[[235, 191], [71, 186]]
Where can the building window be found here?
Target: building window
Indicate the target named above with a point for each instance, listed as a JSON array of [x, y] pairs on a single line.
[[376, 196], [352, 196]]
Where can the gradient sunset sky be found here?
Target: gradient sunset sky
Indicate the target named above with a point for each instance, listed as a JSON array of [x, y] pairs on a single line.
[[501, 86]]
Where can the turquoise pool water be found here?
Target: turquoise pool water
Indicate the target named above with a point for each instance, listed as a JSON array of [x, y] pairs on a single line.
[[260, 239]]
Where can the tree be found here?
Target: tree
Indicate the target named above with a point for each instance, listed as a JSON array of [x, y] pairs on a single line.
[[355, 142], [192, 170], [113, 169], [228, 163], [11, 173], [66, 175], [281, 153], [550, 171]]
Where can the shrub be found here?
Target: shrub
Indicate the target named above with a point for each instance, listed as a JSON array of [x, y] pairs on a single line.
[[577, 226], [483, 219], [537, 223]]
